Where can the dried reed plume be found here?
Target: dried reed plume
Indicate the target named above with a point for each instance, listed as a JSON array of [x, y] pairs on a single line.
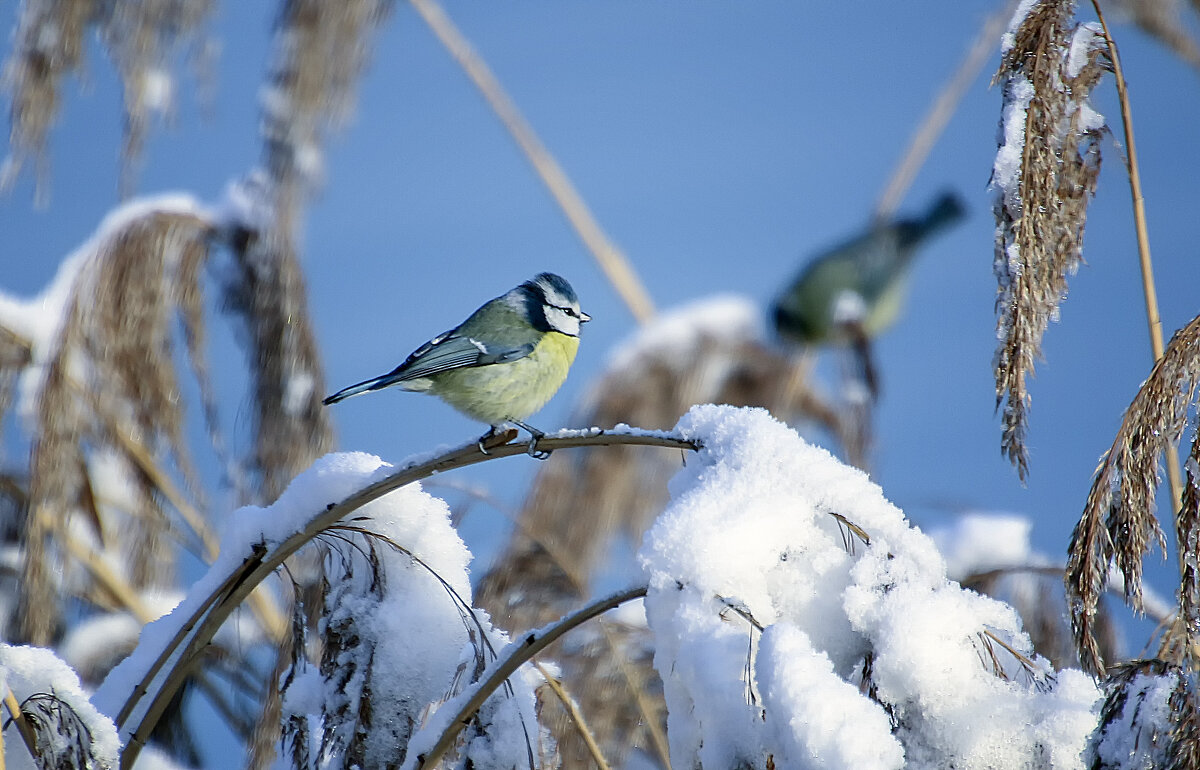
[[320, 52], [142, 38], [1118, 525], [110, 391], [1044, 176]]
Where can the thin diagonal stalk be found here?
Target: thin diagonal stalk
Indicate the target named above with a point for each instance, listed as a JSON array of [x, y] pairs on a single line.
[[23, 727], [533, 643], [570, 570], [576, 715], [198, 629], [613, 262], [1174, 474], [657, 737]]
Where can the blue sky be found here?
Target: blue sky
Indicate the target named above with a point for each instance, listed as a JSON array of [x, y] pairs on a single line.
[[718, 144]]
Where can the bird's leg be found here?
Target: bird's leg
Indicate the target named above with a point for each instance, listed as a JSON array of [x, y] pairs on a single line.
[[862, 348], [483, 439], [536, 434]]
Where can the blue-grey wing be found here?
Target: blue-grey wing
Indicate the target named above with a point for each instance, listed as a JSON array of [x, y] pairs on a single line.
[[452, 350]]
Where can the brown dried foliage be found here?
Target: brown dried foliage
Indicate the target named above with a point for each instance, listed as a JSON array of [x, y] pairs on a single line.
[[1034, 593], [580, 501], [48, 44], [110, 374], [321, 50], [291, 428], [141, 36], [1040, 224], [1118, 525]]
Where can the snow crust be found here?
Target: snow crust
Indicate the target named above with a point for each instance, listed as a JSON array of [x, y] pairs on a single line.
[[39, 319], [421, 642], [33, 670], [752, 529]]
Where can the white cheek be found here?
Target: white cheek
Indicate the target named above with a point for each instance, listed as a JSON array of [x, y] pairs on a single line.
[[562, 322]]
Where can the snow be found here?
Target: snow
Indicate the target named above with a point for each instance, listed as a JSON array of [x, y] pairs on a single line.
[[849, 307], [1009, 38], [751, 526], [981, 542], [816, 731], [298, 390], [32, 670], [1137, 736], [798, 619], [329, 479], [1086, 38], [40, 319], [413, 633], [158, 90], [1006, 169], [674, 334]]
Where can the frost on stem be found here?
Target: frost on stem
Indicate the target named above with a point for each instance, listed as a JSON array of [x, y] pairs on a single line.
[[1043, 178]]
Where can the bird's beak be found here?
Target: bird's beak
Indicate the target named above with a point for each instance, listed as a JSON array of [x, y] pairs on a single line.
[[584, 317]]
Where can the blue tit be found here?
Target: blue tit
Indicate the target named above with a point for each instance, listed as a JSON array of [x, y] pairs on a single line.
[[854, 291], [500, 365]]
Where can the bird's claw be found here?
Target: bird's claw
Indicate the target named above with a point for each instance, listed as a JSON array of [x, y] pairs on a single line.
[[535, 436], [535, 453]]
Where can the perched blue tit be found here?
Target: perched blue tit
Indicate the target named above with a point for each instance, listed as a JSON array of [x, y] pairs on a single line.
[[854, 291], [500, 365]]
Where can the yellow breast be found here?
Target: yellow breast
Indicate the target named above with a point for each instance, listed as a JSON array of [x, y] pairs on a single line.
[[510, 391]]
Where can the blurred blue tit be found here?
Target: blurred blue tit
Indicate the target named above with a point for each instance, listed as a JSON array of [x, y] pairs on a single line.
[[500, 365], [854, 291]]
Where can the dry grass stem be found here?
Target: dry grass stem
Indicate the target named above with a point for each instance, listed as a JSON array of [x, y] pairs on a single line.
[[1118, 525], [568, 703], [1035, 592], [612, 260], [180, 652], [1149, 291], [18, 718], [531, 645], [1045, 174]]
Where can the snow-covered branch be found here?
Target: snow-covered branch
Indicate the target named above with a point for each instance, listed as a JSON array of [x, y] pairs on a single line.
[[139, 689]]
